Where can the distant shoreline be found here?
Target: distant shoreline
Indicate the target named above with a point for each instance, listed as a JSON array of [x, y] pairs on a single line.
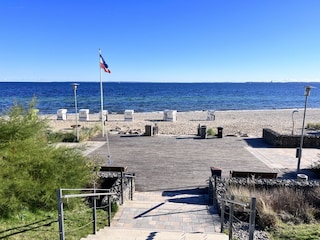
[[98, 81]]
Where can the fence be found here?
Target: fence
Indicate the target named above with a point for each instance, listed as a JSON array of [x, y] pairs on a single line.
[[94, 195], [221, 201]]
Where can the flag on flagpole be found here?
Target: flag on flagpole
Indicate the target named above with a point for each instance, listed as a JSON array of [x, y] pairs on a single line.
[[103, 65]]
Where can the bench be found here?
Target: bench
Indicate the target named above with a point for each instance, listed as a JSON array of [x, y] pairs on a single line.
[[113, 169], [248, 174]]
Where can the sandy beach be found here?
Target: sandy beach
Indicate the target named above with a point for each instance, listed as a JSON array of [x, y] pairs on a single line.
[[239, 123]]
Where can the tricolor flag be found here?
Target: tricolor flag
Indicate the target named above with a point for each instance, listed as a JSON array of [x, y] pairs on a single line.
[[103, 65]]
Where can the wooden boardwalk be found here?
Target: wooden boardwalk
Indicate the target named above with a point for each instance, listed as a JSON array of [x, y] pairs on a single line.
[[171, 162]]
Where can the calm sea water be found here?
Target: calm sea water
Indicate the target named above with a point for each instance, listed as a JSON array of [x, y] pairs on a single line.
[[146, 97]]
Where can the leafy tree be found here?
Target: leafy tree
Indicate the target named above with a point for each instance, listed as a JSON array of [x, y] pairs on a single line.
[[31, 168]]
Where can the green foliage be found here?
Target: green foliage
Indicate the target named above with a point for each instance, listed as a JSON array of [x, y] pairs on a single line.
[[31, 169], [211, 132], [55, 137], [114, 207], [315, 126], [27, 225], [85, 133], [297, 232]]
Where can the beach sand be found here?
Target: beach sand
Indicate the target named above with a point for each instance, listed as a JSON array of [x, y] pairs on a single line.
[[245, 123]]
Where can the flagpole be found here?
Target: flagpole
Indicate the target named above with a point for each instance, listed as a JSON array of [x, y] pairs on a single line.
[[101, 96]]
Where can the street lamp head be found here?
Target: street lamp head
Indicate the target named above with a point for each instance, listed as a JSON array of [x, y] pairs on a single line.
[[75, 85], [295, 111], [307, 90]]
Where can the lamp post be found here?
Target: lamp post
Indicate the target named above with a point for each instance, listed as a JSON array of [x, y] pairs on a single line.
[[75, 85], [293, 112], [299, 150]]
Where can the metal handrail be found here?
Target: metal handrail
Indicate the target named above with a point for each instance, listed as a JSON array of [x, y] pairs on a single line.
[[233, 202], [60, 207], [84, 189], [88, 195]]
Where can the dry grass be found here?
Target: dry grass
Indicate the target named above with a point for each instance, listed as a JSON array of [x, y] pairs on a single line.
[[281, 204]]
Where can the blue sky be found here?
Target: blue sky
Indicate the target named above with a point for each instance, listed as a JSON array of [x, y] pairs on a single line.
[[160, 41]]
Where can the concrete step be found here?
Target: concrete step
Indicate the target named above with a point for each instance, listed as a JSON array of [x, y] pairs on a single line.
[[181, 215], [145, 234]]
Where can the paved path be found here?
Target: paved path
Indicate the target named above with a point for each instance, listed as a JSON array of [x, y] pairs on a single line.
[[169, 162], [176, 215]]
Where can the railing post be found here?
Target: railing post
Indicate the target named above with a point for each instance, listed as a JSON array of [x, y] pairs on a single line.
[[131, 188], [252, 218], [60, 214], [223, 204], [94, 215], [231, 218], [121, 189], [109, 211], [214, 192]]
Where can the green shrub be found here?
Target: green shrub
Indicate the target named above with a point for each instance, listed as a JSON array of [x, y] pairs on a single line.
[[54, 137], [87, 133], [313, 126], [211, 132], [31, 169]]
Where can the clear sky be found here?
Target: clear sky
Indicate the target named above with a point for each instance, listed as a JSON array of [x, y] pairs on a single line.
[[160, 41]]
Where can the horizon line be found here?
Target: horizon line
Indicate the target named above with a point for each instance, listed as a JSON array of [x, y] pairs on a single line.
[[21, 81]]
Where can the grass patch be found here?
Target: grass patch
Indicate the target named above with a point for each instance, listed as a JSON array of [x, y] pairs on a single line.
[[297, 232], [78, 223], [85, 134]]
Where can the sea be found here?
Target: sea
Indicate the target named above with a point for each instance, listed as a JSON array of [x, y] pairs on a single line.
[[150, 97]]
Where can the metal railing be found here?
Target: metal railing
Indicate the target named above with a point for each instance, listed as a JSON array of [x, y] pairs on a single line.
[[231, 202], [131, 177], [94, 195], [222, 201]]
